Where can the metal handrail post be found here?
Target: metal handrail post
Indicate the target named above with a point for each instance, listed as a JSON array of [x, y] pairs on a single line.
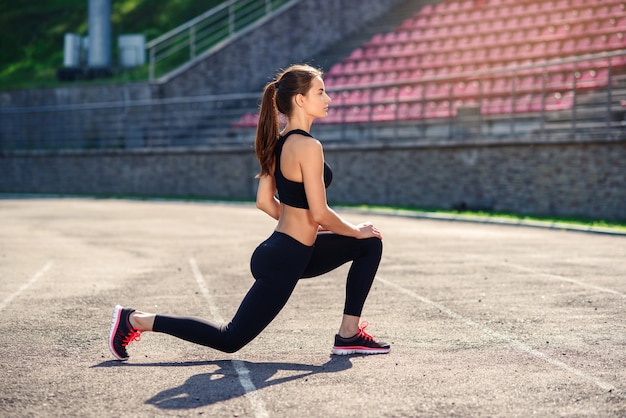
[[575, 93], [152, 64], [192, 42], [543, 103], [231, 19], [609, 99]]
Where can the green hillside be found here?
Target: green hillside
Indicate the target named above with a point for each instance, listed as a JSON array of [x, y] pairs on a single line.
[[31, 33]]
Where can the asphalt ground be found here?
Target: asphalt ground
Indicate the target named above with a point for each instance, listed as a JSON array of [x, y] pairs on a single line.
[[484, 320]]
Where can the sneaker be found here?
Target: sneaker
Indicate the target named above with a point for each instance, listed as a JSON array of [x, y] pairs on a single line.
[[122, 333], [361, 343]]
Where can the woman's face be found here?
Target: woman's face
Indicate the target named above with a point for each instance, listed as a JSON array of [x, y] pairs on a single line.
[[316, 100]]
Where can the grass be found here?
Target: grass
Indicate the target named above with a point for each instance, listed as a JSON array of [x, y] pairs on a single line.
[[496, 217], [32, 34], [503, 217]]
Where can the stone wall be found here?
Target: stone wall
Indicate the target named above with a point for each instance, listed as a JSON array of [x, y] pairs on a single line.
[[585, 179]]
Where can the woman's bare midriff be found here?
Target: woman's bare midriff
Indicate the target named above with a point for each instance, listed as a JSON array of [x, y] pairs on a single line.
[[298, 224]]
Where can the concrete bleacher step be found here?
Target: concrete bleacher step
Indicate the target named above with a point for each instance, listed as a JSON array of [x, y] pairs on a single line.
[[386, 23]]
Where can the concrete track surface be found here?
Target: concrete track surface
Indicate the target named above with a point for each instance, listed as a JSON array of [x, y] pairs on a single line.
[[484, 320]]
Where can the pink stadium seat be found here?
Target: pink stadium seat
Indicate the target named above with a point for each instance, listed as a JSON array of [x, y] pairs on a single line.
[[562, 4], [407, 93], [356, 114], [335, 115], [438, 109], [427, 10], [421, 21], [616, 41], [617, 61], [558, 101], [416, 111], [354, 97], [457, 36], [558, 81], [501, 85], [383, 113], [402, 36], [593, 78], [336, 69], [568, 47], [408, 23], [553, 48], [528, 83], [436, 91], [584, 45], [377, 39], [532, 8], [466, 89], [523, 104], [492, 106], [357, 54], [248, 120], [390, 38]]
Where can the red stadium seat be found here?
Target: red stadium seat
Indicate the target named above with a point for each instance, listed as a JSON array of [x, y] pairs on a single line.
[[593, 78], [353, 115], [384, 113], [458, 36], [558, 101], [616, 41]]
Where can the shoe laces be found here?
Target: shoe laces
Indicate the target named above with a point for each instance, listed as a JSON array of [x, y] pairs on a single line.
[[364, 334], [133, 335]]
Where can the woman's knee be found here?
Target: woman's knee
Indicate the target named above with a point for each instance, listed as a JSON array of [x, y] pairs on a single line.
[[374, 245]]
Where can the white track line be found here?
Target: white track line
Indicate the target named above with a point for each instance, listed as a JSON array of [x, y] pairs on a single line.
[[607, 387], [25, 286], [258, 406], [567, 279]]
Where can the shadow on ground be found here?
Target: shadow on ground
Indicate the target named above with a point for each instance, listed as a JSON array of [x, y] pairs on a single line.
[[223, 383]]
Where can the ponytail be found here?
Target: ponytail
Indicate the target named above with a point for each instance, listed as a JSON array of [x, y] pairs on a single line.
[[277, 98], [267, 131]]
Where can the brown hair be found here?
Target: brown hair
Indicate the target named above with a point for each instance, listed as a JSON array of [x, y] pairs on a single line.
[[277, 98]]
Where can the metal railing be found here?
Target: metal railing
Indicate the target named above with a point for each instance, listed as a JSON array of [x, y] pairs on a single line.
[[577, 108], [186, 42], [589, 99]]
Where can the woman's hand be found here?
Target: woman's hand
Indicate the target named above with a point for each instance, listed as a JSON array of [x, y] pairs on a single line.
[[368, 230]]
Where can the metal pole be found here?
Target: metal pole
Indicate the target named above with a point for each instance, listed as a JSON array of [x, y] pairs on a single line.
[[152, 63], [231, 20], [609, 99], [512, 110], [574, 92], [192, 42], [543, 102]]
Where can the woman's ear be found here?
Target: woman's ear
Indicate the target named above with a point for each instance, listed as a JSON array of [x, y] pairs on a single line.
[[299, 99]]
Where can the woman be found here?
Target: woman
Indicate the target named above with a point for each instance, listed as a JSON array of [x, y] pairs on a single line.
[[309, 240]]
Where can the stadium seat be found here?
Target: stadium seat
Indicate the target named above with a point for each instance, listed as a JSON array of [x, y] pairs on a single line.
[[593, 78], [358, 114], [384, 113], [558, 101], [464, 36]]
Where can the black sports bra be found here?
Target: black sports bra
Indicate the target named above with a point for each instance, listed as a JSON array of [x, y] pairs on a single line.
[[292, 192]]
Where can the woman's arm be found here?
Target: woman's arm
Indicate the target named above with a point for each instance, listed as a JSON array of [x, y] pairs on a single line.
[[266, 196], [312, 166]]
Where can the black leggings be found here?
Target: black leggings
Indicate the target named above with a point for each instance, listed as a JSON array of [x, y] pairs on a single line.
[[277, 264]]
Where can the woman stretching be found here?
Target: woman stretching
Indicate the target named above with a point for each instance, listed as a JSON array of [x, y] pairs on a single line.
[[309, 240]]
